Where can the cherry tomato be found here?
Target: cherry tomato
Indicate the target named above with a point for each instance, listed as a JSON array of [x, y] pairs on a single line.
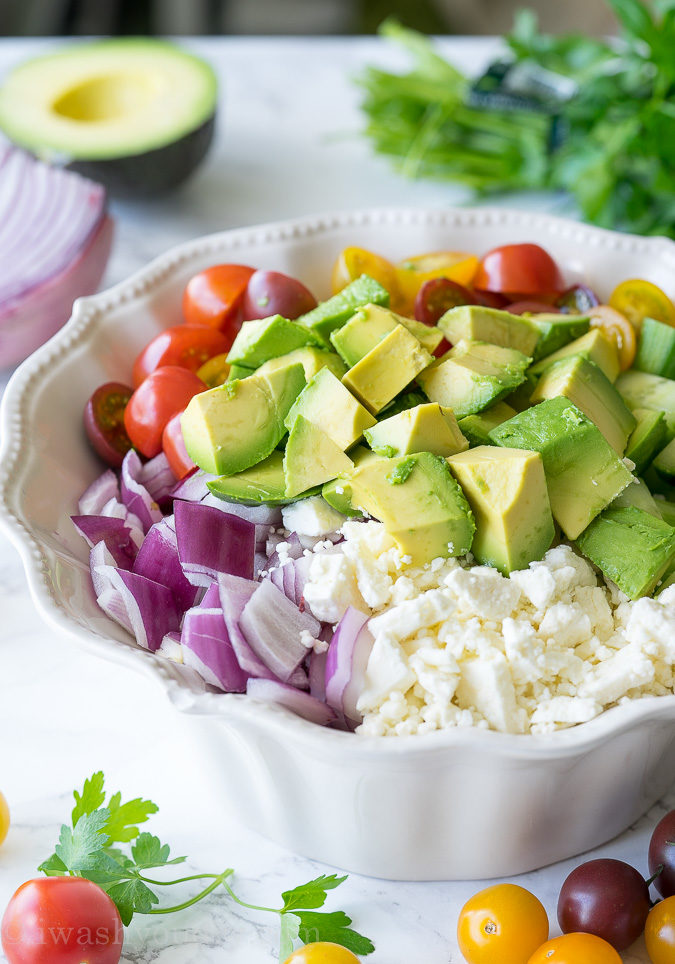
[[214, 372], [578, 299], [413, 272], [61, 920], [638, 300], [662, 854], [491, 299], [660, 932], [619, 330], [519, 269], [322, 953], [575, 949], [532, 308], [605, 897], [104, 422], [214, 298], [353, 262], [173, 445], [273, 293], [163, 394], [4, 818], [504, 923], [437, 296], [184, 346]]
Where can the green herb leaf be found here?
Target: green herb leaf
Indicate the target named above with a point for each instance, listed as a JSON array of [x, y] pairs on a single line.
[[148, 851], [132, 897], [91, 798], [332, 927], [290, 931], [122, 825], [311, 894], [53, 867]]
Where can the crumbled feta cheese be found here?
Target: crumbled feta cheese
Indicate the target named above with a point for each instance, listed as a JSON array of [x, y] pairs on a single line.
[[307, 640], [331, 587]]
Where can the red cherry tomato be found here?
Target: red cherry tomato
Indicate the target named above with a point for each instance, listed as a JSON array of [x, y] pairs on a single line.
[[173, 445], [184, 346], [163, 394], [519, 269], [61, 920], [104, 422], [272, 293], [437, 296], [214, 298], [531, 308], [490, 299]]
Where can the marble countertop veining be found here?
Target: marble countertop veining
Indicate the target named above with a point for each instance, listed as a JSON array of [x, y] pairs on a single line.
[[287, 145]]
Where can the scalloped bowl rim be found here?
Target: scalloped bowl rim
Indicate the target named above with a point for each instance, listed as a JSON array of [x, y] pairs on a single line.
[[186, 691]]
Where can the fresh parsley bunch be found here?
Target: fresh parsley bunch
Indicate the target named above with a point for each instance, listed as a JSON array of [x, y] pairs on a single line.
[[87, 848], [611, 145]]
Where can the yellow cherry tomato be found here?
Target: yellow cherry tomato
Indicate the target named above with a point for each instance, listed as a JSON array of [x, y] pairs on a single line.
[[660, 932], [322, 953], [575, 949], [214, 372], [411, 273], [618, 329], [637, 300], [4, 818], [504, 923], [353, 262]]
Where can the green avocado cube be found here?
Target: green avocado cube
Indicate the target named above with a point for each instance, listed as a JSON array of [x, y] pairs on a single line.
[[311, 359], [387, 369], [473, 375], [506, 489], [312, 457], [664, 463], [370, 325], [237, 372], [656, 349], [583, 472], [338, 492], [425, 428], [521, 398], [647, 438], [594, 346], [262, 483], [638, 495], [591, 391], [232, 427], [666, 510], [643, 390], [630, 547], [556, 331], [476, 428], [327, 403], [332, 314], [419, 503], [258, 341], [475, 323]]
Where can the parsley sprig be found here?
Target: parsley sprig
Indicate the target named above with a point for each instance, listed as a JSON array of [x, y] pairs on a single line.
[[87, 848]]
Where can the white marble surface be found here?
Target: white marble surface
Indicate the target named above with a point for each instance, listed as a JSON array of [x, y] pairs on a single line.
[[286, 146]]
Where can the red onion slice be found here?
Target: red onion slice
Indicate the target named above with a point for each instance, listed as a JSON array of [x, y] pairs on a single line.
[[346, 664], [158, 479], [317, 675], [234, 595], [272, 625], [134, 494], [158, 560], [211, 542], [101, 490], [112, 532], [207, 649], [193, 487], [302, 704], [211, 598]]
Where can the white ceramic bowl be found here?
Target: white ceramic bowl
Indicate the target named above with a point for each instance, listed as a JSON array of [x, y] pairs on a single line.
[[455, 804]]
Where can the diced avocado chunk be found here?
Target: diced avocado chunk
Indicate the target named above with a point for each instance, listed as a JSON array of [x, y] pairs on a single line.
[[637, 494], [594, 345], [425, 428], [419, 502], [338, 492], [258, 341], [557, 330], [311, 359], [231, 427], [370, 325], [311, 457], [583, 473], [642, 390], [475, 323], [333, 313], [264, 482], [387, 369], [237, 372], [656, 349], [591, 391], [630, 547], [664, 463], [520, 399], [506, 489], [647, 438], [476, 428], [401, 403], [666, 510], [473, 375], [327, 403]]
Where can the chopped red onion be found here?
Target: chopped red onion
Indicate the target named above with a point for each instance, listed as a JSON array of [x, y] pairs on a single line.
[[134, 494], [346, 664], [211, 598], [317, 675], [207, 649], [234, 595], [272, 625], [211, 542], [192, 488], [158, 478], [101, 490], [158, 560], [302, 704], [112, 532]]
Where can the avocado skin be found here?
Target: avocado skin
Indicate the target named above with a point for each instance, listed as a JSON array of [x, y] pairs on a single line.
[[152, 173]]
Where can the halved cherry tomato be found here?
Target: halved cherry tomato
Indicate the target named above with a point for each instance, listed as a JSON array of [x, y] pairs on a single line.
[[575, 949], [214, 298], [519, 269], [61, 920], [163, 394], [104, 422], [619, 330], [660, 932], [532, 308], [4, 818], [273, 293], [214, 372], [578, 299], [412, 273], [437, 296], [173, 445], [322, 953], [353, 262], [491, 299], [637, 300], [185, 346], [504, 923]]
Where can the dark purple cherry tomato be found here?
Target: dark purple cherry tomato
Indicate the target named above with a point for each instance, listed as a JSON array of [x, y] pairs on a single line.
[[490, 299], [532, 308], [104, 422], [272, 293], [662, 854], [437, 296], [577, 300], [605, 897]]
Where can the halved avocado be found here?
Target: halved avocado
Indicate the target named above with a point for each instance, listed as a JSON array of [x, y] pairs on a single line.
[[136, 114]]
